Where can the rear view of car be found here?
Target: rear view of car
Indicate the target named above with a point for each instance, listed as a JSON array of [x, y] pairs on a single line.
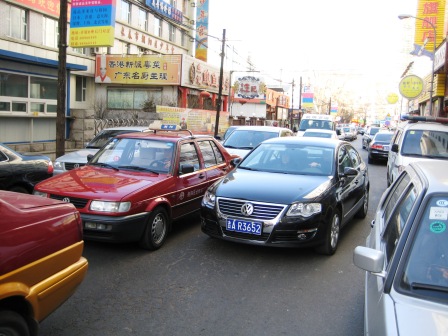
[[379, 146], [41, 262], [243, 139], [418, 139]]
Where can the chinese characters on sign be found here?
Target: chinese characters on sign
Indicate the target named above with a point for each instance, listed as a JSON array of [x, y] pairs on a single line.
[[202, 30], [147, 69]]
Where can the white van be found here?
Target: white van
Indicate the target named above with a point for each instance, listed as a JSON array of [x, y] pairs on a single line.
[[417, 139], [317, 121]]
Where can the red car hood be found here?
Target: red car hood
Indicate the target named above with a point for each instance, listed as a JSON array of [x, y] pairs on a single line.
[[99, 183], [23, 201]]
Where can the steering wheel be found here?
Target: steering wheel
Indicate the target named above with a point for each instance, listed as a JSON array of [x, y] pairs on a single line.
[[157, 164]]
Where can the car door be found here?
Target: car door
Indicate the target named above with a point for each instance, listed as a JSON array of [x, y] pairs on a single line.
[[213, 159], [362, 179], [190, 186], [392, 168], [394, 210], [347, 185]]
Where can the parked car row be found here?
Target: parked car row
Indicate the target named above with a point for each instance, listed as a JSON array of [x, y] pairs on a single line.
[[405, 256]]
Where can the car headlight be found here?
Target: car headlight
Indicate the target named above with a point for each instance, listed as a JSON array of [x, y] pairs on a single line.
[[58, 165], [304, 209], [40, 193], [110, 206], [209, 198]]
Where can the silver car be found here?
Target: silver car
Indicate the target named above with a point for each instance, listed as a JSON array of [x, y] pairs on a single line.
[[406, 255], [78, 158]]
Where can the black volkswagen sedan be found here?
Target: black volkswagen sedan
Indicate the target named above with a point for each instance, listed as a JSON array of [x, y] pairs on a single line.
[[289, 192]]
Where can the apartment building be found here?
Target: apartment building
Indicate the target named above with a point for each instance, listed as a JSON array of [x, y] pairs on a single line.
[[29, 63]]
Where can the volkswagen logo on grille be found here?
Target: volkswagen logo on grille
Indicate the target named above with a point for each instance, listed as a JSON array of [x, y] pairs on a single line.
[[76, 165], [247, 209], [66, 200]]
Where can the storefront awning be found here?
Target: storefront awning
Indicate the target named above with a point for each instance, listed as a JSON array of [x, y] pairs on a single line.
[[22, 58]]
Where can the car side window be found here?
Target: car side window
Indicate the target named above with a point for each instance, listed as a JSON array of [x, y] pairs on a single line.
[[3, 157], [189, 155], [211, 154], [397, 137], [343, 159], [395, 194], [354, 155], [397, 221]]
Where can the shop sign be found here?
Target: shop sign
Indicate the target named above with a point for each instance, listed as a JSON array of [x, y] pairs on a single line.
[[411, 86]]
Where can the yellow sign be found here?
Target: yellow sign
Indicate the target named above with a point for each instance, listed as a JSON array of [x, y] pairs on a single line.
[[392, 98], [431, 15], [411, 86], [92, 37]]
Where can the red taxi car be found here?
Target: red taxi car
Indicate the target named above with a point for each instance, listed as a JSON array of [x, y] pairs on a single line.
[[138, 183], [41, 262]]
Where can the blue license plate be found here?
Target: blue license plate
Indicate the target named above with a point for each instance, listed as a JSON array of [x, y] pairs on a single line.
[[242, 226]]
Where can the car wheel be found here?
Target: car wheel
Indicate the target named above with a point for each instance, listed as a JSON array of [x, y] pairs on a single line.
[[156, 230], [331, 236], [12, 323], [362, 212]]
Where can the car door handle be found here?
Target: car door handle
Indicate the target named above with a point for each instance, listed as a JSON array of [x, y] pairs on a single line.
[[201, 175]]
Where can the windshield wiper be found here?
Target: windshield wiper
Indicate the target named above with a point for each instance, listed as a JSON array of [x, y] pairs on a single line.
[[420, 285], [105, 165], [139, 169]]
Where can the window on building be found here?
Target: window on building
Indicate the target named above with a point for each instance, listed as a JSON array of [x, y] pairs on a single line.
[[82, 51], [125, 14], [50, 33], [157, 27], [81, 88], [17, 21], [172, 32], [134, 99], [183, 38], [27, 94], [143, 19]]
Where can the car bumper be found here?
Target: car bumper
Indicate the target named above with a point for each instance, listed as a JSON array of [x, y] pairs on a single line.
[[379, 155], [297, 233], [114, 229]]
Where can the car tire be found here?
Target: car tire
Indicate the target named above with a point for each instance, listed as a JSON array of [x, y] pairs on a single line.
[[363, 145], [370, 159], [156, 230], [12, 323], [362, 212], [331, 235]]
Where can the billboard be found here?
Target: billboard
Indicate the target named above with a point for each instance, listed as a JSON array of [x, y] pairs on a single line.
[[145, 69]]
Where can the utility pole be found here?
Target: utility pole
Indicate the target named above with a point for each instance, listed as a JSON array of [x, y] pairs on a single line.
[[292, 106], [329, 107], [221, 75], [62, 80]]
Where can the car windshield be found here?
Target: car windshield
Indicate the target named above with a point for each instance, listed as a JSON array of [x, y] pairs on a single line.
[[425, 143], [312, 123], [136, 154], [247, 139], [290, 159], [383, 137], [317, 134], [102, 138], [427, 263], [374, 130]]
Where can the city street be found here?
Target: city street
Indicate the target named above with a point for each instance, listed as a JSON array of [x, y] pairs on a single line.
[[196, 285]]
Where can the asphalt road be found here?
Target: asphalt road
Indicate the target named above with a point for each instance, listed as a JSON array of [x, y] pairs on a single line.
[[195, 285]]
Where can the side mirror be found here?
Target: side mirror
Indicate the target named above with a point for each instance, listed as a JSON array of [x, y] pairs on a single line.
[[186, 169], [369, 140], [89, 157], [350, 171], [394, 148], [338, 132], [235, 162]]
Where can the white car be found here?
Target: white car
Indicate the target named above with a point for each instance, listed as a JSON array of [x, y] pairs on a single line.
[[406, 256], [79, 158], [244, 138], [320, 133], [417, 139]]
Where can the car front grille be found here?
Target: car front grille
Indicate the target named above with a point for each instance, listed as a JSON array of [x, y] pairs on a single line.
[[71, 165], [79, 203], [262, 211]]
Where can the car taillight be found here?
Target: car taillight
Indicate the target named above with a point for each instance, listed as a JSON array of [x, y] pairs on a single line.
[[377, 146], [50, 168]]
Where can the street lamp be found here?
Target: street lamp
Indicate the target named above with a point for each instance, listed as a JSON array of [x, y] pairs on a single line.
[[406, 16]]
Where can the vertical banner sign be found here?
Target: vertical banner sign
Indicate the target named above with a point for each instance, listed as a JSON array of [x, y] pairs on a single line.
[[92, 23], [307, 96], [202, 30], [429, 13]]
